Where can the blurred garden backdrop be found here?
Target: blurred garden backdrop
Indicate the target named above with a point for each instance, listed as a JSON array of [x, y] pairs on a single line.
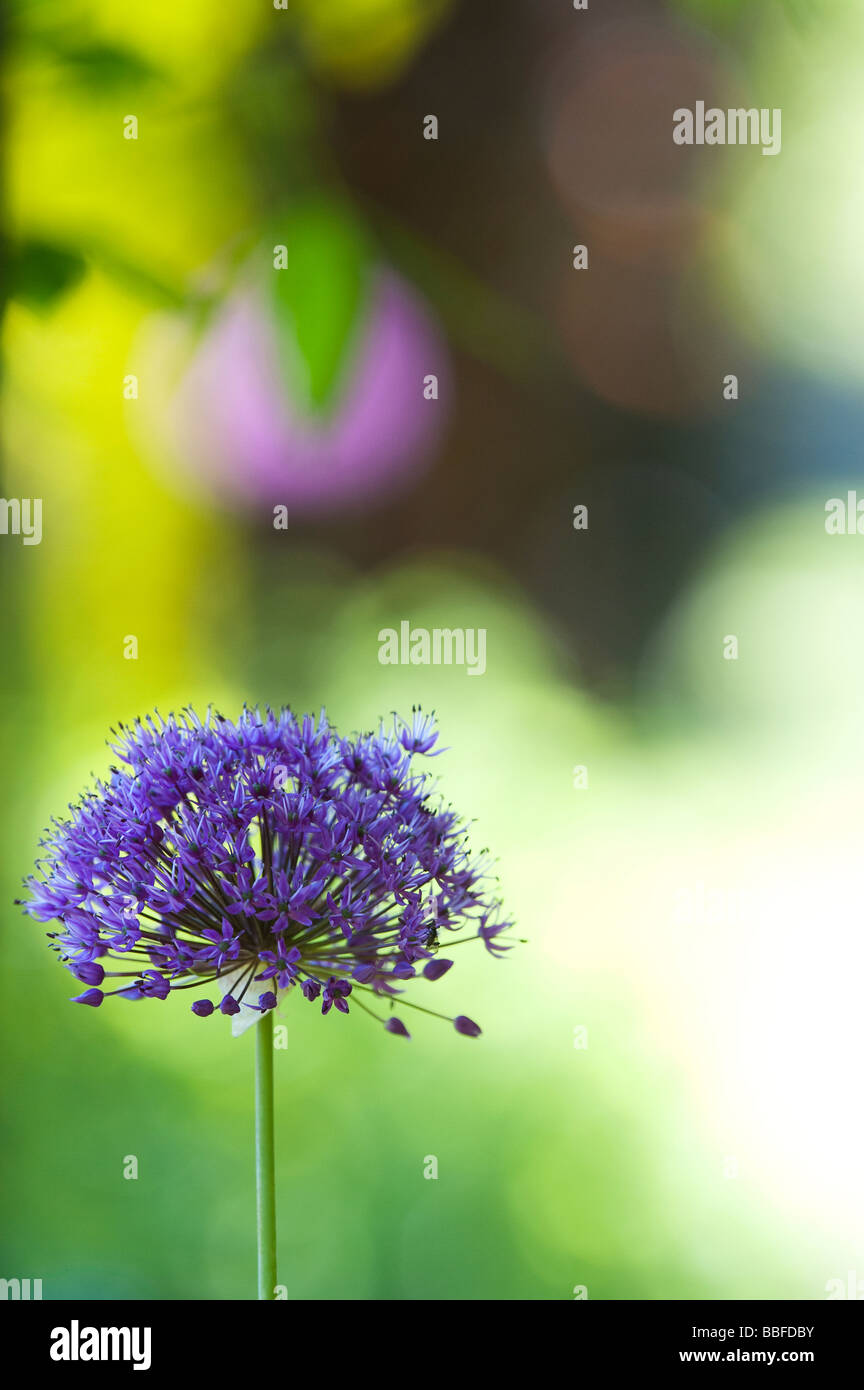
[[664, 1102]]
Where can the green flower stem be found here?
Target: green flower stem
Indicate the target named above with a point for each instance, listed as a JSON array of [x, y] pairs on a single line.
[[265, 1174]]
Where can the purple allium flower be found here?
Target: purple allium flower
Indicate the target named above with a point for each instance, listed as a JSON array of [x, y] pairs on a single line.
[[93, 997], [240, 425], [395, 1025], [89, 972], [489, 933], [434, 969], [200, 862]]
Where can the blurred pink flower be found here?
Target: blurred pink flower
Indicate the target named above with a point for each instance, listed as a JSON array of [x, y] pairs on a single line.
[[242, 433]]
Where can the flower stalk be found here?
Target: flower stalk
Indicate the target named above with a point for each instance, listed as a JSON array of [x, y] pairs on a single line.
[[265, 1172]]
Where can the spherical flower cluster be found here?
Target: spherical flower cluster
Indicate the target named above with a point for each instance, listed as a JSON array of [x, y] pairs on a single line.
[[263, 856]]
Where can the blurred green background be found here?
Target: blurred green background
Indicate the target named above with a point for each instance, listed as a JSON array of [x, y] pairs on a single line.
[[696, 906]]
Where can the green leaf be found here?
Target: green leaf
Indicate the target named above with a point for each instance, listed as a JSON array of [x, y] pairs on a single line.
[[103, 67], [39, 273], [319, 295]]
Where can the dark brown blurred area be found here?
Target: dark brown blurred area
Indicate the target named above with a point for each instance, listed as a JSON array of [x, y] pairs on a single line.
[[570, 386]]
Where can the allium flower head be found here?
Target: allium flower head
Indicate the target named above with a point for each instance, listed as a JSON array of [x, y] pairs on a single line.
[[264, 856]]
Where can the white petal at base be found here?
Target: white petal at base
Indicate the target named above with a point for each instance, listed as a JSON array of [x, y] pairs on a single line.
[[247, 1015]]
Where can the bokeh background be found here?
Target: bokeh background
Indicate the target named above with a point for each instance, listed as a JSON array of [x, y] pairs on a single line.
[[697, 906]]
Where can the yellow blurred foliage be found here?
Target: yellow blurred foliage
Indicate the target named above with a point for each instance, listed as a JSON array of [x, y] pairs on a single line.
[[366, 43]]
